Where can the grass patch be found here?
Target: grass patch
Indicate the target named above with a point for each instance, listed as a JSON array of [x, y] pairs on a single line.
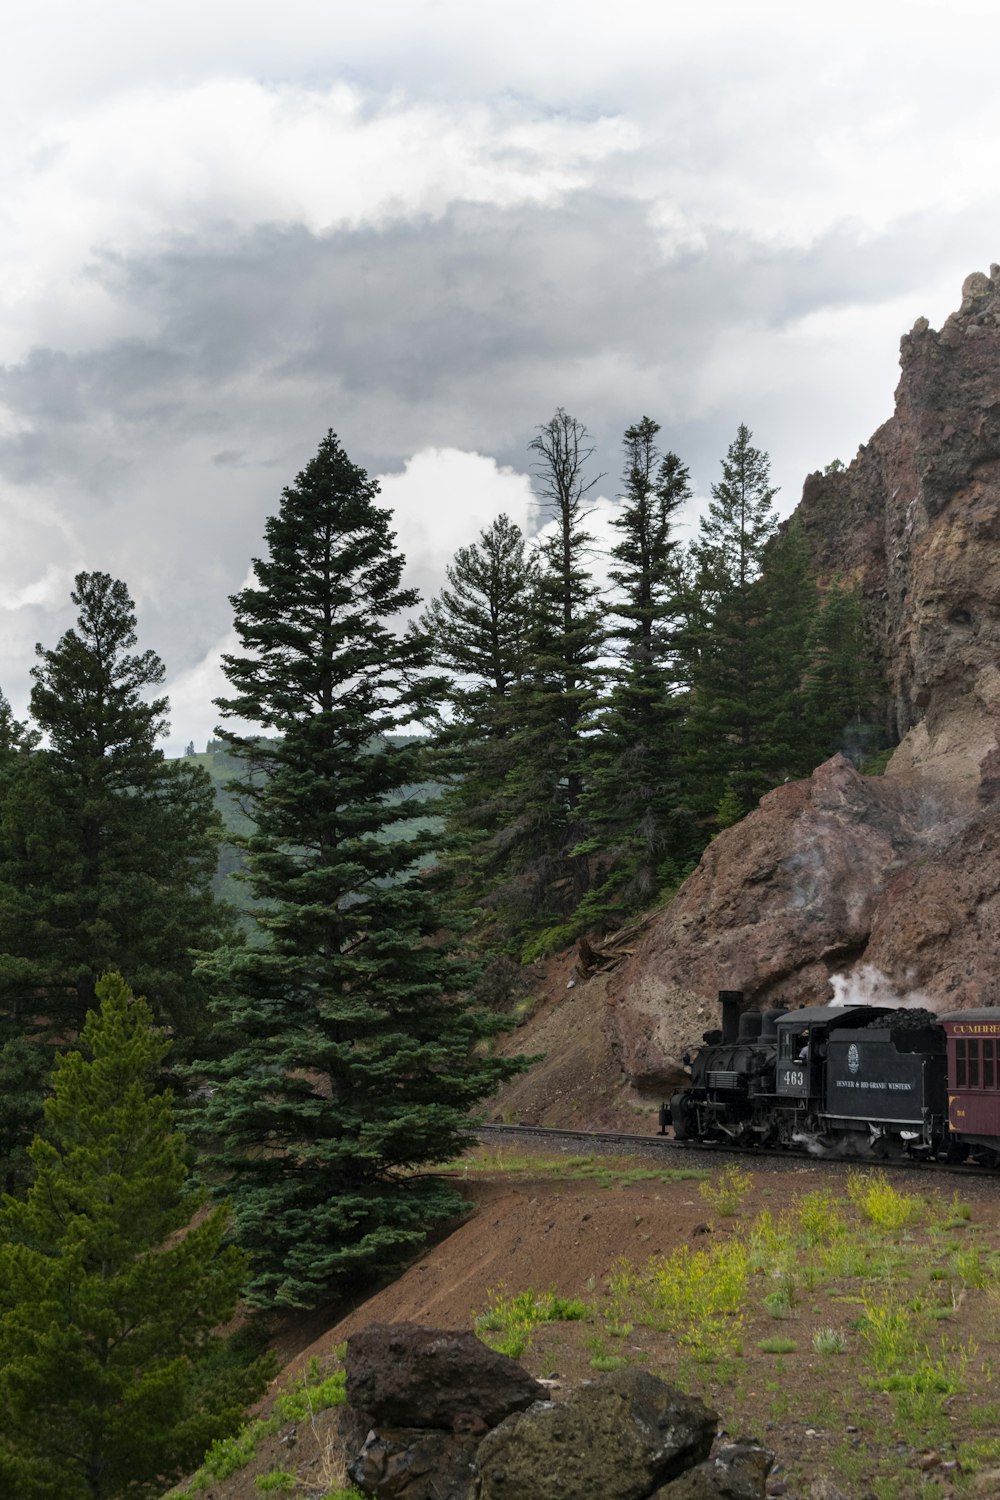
[[585, 1168], [777, 1346], [909, 1269]]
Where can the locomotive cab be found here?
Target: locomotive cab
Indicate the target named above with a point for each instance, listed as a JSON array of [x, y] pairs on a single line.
[[803, 1047]]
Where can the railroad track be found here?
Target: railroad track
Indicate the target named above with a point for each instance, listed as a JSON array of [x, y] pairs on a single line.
[[613, 1142]]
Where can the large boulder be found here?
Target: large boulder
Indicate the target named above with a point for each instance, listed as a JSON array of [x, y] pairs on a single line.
[[403, 1375], [617, 1439]]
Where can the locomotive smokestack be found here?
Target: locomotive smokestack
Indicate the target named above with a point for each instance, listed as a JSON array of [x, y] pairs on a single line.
[[730, 1000]]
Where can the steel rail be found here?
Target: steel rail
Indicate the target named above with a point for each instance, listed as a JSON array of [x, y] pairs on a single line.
[[646, 1145]]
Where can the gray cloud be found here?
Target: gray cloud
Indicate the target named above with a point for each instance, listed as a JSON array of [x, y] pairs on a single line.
[[150, 431]]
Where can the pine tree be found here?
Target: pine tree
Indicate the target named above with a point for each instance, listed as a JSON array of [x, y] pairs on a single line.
[[725, 641], [782, 708], [545, 878], [24, 1063], [106, 849], [636, 833], [844, 686], [15, 737], [108, 1293], [346, 1057], [479, 627]]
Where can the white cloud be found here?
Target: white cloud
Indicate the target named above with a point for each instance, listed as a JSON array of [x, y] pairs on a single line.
[[221, 156], [428, 223], [442, 500]]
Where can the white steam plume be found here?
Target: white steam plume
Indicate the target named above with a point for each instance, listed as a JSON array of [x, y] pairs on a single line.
[[869, 986]]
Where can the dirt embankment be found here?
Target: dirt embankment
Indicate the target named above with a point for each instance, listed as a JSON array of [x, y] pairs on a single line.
[[577, 1084]]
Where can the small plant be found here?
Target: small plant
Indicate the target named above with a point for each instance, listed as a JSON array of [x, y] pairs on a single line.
[[885, 1328], [957, 1215], [780, 1302], [845, 1259], [970, 1269], [727, 1196], [777, 1346], [600, 1359], [769, 1248], [884, 1206], [277, 1482], [507, 1323], [829, 1341], [819, 1218]]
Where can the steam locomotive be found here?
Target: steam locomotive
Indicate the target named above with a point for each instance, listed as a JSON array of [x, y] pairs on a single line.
[[846, 1079]]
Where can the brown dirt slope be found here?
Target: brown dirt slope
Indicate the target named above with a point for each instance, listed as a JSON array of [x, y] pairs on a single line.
[[578, 1083], [548, 1232]]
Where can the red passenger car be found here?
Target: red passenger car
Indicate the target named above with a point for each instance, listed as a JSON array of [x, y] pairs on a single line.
[[973, 1040]]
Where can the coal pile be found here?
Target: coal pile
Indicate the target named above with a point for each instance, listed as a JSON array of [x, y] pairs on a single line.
[[902, 1019]]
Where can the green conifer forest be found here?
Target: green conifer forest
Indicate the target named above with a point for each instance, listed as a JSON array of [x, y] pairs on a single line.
[[544, 749]]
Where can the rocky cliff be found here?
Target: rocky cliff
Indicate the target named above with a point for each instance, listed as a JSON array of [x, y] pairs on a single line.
[[850, 881]]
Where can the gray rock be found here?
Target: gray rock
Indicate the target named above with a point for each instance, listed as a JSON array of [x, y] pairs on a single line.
[[415, 1464], [402, 1375], [617, 1439], [825, 1489], [735, 1471]]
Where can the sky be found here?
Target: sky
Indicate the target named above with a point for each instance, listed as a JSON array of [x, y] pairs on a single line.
[[426, 224]]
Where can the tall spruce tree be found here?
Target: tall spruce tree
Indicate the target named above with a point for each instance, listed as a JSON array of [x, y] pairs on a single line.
[[725, 641], [347, 1054], [25, 1062], [637, 834], [109, 1295], [479, 626], [106, 848], [545, 877], [844, 685], [782, 708]]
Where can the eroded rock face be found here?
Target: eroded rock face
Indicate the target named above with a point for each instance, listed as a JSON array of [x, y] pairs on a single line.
[[916, 517], [619, 1438], [778, 903], [403, 1375], [841, 873]]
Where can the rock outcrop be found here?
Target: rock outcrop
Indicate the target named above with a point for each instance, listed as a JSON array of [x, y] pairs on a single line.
[[898, 875], [404, 1375], [916, 518], [735, 1471], [432, 1404], [620, 1438]]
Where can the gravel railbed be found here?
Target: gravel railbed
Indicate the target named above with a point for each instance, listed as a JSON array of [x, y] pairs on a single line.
[[976, 1181]]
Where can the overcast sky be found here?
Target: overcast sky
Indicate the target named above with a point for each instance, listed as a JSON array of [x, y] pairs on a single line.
[[226, 228]]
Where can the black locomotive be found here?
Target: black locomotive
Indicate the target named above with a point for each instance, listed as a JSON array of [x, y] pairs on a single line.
[[852, 1079]]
